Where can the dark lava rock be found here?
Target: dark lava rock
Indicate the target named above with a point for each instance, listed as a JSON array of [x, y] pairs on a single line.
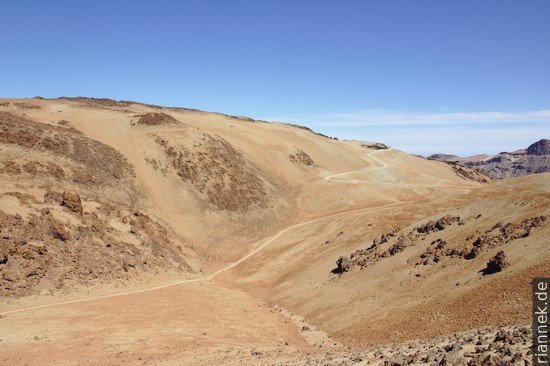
[[497, 263], [541, 147]]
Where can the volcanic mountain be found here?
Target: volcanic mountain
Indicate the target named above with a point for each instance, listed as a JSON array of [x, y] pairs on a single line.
[[132, 233], [533, 160]]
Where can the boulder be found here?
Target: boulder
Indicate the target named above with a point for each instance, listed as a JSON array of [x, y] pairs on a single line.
[[343, 264], [72, 202], [497, 263]]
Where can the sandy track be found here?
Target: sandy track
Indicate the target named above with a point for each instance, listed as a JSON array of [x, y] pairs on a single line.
[[227, 267], [379, 165], [206, 278]]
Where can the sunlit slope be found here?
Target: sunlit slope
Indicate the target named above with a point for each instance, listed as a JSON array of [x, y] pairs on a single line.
[[417, 268], [219, 184]]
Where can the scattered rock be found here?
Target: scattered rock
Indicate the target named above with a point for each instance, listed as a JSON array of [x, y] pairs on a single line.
[[342, 264], [497, 263], [300, 157], [72, 202]]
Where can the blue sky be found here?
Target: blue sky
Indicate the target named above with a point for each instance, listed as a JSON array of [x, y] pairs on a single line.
[[423, 76]]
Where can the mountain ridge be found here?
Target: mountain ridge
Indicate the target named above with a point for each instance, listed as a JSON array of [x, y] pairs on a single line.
[[532, 160]]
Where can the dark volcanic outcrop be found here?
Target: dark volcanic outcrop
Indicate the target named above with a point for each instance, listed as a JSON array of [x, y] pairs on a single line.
[[541, 147], [497, 263], [535, 159]]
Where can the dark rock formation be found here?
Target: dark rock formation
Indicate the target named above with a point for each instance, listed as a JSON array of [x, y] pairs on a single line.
[[533, 160], [301, 158], [541, 147], [497, 263], [342, 264], [155, 119], [375, 146], [433, 226]]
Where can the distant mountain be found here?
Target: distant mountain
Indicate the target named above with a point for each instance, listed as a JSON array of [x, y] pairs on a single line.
[[541, 147], [535, 159]]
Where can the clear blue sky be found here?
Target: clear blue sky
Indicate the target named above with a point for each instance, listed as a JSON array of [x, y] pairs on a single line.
[[458, 77]]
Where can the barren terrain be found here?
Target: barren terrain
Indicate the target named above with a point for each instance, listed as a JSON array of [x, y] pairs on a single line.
[[535, 159], [135, 234]]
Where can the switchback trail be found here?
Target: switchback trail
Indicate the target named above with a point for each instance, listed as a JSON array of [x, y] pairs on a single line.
[[379, 165]]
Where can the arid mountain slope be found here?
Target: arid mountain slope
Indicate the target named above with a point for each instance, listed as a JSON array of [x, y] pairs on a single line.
[[416, 269], [174, 236], [66, 212], [194, 189]]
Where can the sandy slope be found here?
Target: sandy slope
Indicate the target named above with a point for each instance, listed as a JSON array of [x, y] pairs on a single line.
[[313, 200]]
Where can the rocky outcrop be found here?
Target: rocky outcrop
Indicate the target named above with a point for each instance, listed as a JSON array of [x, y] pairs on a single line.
[[375, 146], [469, 173], [300, 157], [61, 245], [437, 225], [444, 157], [541, 147], [219, 172], [497, 263], [155, 119], [342, 264], [501, 234], [533, 160], [438, 251], [89, 161], [72, 202]]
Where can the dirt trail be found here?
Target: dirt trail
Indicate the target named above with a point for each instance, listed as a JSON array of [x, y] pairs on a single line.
[[257, 249], [379, 165], [328, 205], [258, 246], [206, 278]]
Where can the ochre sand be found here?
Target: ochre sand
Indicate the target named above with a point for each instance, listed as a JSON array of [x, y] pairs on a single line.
[[244, 263]]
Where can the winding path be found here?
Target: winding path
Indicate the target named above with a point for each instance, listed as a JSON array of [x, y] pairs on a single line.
[[209, 277], [379, 165]]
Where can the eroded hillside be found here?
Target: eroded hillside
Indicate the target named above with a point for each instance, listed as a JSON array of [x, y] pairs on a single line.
[[242, 228], [69, 213]]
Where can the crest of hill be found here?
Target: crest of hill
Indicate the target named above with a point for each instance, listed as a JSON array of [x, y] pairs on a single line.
[[163, 118]]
